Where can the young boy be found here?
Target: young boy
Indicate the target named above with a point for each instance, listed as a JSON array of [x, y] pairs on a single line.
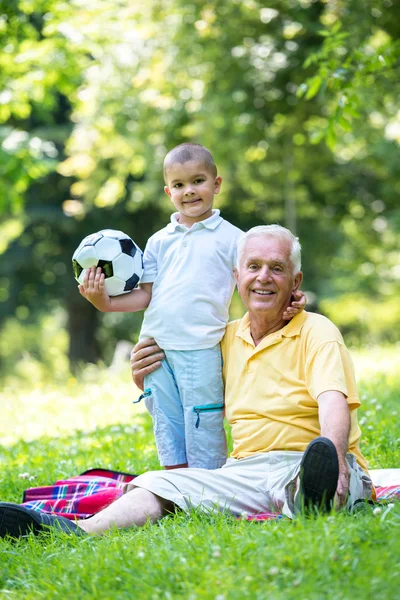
[[188, 276]]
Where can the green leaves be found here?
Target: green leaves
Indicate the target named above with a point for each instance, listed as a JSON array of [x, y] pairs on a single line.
[[349, 67], [297, 102]]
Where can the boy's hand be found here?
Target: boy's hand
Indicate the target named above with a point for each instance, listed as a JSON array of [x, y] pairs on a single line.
[[298, 304], [94, 290]]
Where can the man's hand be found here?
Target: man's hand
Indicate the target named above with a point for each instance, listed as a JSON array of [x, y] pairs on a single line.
[[342, 489], [94, 290], [298, 304], [146, 357]]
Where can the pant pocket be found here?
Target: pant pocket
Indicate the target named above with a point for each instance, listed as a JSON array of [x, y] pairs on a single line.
[[209, 416], [207, 447]]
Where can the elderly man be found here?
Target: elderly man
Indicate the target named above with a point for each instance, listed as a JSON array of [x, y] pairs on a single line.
[[291, 401]]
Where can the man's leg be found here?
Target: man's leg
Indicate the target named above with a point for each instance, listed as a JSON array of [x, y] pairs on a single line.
[[315, 481], [135, 508]]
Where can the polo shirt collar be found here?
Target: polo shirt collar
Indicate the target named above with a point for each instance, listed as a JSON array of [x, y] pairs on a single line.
[[210, 223], [292, 329]]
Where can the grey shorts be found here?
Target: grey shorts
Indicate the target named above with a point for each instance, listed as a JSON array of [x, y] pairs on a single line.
[[259, 483]]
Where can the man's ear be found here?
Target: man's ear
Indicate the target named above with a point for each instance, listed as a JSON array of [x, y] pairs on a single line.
[[297, 281], [217, 184], [236, 274], [167, 190]]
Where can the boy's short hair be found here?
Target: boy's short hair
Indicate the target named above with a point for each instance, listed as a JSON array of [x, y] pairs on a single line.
[[187, 152]]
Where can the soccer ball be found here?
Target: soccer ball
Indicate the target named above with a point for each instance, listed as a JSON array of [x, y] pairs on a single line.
[[116, 253]]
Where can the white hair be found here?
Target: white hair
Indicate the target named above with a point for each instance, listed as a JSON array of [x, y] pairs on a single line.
[[277, 232]]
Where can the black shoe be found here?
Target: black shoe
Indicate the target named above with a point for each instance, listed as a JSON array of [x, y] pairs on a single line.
[[319, 474], [17, 521]]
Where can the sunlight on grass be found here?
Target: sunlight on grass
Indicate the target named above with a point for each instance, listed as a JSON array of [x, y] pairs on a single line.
[[103, 397], [376, 361], [100, 398]]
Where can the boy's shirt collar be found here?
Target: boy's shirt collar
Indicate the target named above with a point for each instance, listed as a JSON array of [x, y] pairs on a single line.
[[210, 223]]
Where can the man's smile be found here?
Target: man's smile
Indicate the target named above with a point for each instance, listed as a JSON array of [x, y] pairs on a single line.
[[264, 292]]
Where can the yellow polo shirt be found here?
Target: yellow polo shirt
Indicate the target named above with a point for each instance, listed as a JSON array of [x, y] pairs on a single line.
[[271, 389]]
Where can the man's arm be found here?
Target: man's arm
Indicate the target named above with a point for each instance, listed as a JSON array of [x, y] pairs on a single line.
[[93, 289], [146, 357], [334, 419]]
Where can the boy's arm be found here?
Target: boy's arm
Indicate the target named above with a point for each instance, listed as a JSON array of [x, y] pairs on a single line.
[[298, 304], [94, 290]]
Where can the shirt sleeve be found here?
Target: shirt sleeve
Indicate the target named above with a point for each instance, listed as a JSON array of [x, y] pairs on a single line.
[[330, 368], [150, 268]]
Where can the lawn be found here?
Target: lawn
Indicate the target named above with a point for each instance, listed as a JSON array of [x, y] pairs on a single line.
[[52, 432]]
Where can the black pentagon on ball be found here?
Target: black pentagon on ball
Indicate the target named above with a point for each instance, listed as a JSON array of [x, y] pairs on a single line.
[[93, 239], [131, 283], [77, 269], [107, 267], [128, 247]]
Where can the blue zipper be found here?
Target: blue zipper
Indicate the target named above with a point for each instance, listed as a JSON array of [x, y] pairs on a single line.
[[206, 408], [146, 393]]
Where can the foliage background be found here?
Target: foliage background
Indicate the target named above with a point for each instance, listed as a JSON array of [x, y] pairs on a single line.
[[297, 99]]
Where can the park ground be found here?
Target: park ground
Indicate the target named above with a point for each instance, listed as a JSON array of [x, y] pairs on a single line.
[[51, 432]]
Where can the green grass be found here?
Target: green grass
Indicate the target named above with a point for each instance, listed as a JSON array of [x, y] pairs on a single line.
[[213, 557]]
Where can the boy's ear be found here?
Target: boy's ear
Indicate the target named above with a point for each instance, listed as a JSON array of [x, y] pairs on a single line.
[[167, 190], [217, 185]]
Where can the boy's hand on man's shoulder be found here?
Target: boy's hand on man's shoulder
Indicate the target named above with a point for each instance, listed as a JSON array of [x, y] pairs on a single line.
[[298, 304], [94, 290]]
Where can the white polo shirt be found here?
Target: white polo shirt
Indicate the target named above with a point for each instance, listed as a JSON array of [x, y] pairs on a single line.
[[192, 275]]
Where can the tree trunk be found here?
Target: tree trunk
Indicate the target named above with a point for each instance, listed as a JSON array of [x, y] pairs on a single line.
[[82, 326]]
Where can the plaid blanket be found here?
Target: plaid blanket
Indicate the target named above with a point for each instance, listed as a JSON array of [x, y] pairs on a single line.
[[78, 497], [86, 494]]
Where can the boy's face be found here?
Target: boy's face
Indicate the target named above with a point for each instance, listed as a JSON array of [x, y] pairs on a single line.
[[191, 188]]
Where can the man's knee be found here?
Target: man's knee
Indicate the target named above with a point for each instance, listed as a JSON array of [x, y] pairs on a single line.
[[147, 506]]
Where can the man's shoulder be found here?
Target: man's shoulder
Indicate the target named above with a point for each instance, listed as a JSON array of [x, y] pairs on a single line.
[[229, 337], [233, 326], [230, 331], [320, 328]]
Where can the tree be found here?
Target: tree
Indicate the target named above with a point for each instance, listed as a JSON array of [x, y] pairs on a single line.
[[94, 95]]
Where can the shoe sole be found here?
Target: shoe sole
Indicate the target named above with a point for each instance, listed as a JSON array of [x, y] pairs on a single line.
[[17, 522], [319, 474]]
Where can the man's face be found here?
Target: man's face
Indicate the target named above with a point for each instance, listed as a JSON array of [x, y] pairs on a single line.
[[265, 277], [191, 188]]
